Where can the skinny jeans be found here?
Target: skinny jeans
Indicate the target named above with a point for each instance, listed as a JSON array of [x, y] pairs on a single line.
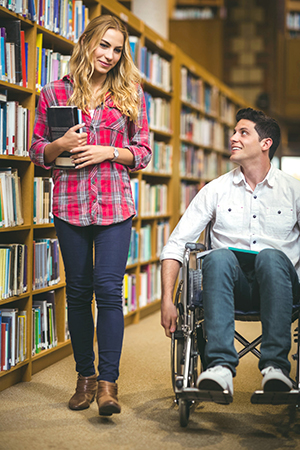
[[95, 260], [271, 287]]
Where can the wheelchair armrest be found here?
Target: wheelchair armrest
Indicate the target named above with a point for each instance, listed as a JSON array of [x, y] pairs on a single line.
[[195, 246]]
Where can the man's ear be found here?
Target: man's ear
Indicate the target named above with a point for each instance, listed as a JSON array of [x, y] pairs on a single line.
[[267, 144]]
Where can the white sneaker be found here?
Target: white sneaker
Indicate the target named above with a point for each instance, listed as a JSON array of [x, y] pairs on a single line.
[[274, 380], [218, 378]]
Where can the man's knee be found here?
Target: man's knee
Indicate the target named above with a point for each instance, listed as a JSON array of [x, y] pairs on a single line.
[[220, 258], [268, 257]]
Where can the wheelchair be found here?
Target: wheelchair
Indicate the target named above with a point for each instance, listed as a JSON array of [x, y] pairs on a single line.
[[188, 344]]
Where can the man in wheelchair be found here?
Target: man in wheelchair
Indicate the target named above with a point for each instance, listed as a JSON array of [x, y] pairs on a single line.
[[255, 207]]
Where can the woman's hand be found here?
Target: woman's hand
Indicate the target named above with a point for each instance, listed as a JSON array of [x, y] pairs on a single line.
[[67, 142], [72, 139], [91, 154]]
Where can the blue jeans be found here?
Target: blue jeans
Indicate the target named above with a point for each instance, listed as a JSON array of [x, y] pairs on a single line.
[[102, 274], [271, 288]]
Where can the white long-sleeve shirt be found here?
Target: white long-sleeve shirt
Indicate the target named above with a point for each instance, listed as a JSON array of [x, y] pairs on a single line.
[[268, 217]]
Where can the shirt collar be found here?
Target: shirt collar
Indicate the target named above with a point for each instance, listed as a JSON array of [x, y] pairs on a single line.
[[238, 176]]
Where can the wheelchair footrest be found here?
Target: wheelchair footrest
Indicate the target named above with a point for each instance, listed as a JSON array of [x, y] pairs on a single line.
[[193, 394], [276, 398]]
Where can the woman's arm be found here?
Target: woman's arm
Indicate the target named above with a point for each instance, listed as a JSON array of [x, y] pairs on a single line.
[[67, 142]]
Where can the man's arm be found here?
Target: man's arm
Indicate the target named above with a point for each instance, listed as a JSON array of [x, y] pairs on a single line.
[[169, 273]]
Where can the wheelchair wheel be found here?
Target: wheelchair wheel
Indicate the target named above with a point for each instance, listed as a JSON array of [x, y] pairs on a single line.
[[184, 412]]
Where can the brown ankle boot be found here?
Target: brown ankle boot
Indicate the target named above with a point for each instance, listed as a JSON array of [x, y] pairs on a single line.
[[107, 398], [85, 392]]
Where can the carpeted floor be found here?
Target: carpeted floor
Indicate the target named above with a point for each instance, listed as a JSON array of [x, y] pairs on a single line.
[[35, 415]]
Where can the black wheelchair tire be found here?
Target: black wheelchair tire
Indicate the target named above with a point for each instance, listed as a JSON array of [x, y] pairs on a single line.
[[184, 412]]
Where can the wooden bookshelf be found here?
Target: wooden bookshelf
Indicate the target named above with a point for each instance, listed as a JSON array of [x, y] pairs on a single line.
[[162, 179]]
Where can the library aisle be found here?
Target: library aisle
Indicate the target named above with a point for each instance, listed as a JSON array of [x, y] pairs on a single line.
[[35, 415]]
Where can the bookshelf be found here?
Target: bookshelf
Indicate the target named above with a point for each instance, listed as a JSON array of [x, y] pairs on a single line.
[[205, 115], [156, 189], [287, 96]]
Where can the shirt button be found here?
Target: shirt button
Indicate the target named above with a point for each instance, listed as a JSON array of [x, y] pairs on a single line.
[[254, 242], [279, 212], [254, 216], [255, 196], [229, 209]]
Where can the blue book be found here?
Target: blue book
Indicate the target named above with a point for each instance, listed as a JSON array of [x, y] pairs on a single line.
[[31, 10], [56, 16], [26, 59], [83, 18], [2, 52], [245, 257], [0, 337], [44, 72]]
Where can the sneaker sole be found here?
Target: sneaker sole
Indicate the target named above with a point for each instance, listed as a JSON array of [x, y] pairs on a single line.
[[276, 386], [210, 385]]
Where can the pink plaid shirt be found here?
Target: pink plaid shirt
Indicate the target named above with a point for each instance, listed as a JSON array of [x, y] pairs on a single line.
[[99, 194]]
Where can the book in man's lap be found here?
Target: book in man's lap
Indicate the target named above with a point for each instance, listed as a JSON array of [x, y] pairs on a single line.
[[60, 119]]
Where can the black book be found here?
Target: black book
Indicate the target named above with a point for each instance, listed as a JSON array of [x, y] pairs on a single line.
[[60, 119], [13, 34]]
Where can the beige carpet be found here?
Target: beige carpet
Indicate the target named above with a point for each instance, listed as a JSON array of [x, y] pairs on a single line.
[[35, 415]]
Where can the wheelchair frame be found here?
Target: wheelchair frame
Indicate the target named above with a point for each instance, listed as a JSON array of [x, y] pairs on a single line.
[[188, 343]]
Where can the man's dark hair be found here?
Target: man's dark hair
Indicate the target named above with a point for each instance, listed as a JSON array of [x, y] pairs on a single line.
[[265, 126]]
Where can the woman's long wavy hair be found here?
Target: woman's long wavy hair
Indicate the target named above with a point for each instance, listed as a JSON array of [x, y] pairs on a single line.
[[121, 80]]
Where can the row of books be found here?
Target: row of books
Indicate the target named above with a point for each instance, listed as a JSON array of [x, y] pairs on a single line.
[[191, 161], [44, 329], [145, 243], [210, 166], [150, 284], [10, 198], [14, 127], [205, 97], [188, 192], [13, 270], [13, 53], [154, 199], [162, 235], [293, 20], [45, 263], [153, 67], [193, 13], [227, 110], [192, 88], [42, 200], [162, 155], [211, 100], [50, 65], [26, 8], [134, 182], [13, 325], [133, 253], [129, 293], [158, 113], [65, 17], [202, 131]]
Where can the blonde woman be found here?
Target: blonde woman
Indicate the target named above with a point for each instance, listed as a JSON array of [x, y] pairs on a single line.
[[92, 203]]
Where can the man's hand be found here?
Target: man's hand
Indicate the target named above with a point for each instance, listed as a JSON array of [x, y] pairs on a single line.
[[168, 317]]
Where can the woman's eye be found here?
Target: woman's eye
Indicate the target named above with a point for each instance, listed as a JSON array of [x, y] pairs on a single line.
[[103, 45], [118, 50]]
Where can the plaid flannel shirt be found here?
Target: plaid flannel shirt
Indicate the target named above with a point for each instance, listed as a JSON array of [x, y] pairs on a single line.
[[99, 194]]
